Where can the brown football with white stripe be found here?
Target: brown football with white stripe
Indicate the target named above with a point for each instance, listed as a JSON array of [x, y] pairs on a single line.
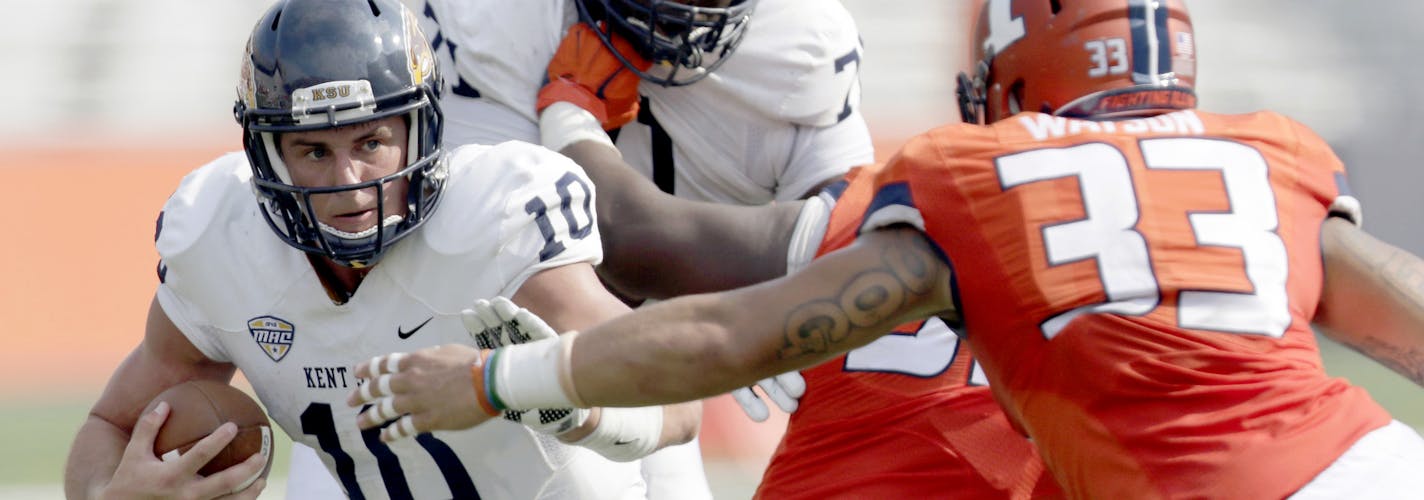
[[199, 407]]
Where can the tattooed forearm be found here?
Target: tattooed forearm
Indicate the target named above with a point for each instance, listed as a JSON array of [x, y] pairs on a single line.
[[1373, 299], [1404, 273], [904, 274], [1407, 361]]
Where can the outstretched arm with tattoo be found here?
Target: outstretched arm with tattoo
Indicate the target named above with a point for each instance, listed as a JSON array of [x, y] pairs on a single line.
[[697, 346], [1373, 300], [708, 344], [701, 345]]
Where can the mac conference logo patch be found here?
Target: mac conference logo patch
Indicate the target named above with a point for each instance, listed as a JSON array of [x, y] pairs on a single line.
[[273, 335]]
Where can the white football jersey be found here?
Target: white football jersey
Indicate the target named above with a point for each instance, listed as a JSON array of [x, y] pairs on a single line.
[[780, 117], [499, 52], [243, 296]]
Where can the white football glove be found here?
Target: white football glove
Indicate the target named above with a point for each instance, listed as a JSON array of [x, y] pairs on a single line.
[[785, 390], [499, 322]]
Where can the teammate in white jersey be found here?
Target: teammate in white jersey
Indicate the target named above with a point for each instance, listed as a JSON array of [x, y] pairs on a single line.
[[755, 101], [382, 240], [775, 121]]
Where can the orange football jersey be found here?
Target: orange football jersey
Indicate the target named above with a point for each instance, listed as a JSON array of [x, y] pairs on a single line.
[[1140, 293], [898, 418]]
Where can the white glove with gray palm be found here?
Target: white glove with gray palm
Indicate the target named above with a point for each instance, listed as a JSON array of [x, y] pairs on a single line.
[[499, 322]]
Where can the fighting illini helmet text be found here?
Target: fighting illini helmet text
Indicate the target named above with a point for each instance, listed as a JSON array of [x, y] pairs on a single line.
[[1080, 58], [316, 64], [685, 39]]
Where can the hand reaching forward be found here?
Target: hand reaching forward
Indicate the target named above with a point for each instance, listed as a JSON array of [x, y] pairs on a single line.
[[422, 391], [433, 388], [499, 322]]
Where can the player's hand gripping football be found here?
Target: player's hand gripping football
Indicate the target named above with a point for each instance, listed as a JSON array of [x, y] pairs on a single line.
[[140, 474], [585, 72]]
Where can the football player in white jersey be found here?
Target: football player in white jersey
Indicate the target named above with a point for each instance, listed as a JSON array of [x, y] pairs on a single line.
[[383, 239], [781, 134], [773, 121], [733, 110]]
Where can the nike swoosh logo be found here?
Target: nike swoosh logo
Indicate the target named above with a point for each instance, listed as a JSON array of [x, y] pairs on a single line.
[[405, 335], [621, 442]]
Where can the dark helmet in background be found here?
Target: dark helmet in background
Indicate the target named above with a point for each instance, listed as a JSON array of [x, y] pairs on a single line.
[[685, 39], [318, 64]]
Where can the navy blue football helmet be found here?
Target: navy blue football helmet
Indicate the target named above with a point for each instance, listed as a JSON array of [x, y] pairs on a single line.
[[317, 64], [693, 39]]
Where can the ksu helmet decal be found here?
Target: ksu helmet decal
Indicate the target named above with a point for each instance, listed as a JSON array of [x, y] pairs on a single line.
[[274, 335]]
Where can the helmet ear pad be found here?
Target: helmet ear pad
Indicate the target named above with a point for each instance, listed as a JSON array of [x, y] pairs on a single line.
[[686, 42], [1085, 58], [322, 64]]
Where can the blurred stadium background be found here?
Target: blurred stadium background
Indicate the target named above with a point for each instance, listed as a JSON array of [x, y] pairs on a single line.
[[108, 103]]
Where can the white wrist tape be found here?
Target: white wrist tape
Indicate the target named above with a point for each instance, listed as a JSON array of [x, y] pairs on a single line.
[[1348, 207], [565, 123], [810, 229], [625, 434], [526, 376]]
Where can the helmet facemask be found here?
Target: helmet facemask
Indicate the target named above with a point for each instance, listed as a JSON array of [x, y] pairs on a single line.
[[686, 43], [288, 94], [969, 92]]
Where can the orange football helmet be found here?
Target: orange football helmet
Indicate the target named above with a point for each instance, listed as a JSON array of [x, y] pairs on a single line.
[[1079, 58]]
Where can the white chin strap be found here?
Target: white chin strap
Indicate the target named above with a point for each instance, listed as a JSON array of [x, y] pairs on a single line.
[[391, 220]]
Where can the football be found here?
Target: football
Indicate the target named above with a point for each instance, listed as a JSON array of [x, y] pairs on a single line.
[[199, 407]]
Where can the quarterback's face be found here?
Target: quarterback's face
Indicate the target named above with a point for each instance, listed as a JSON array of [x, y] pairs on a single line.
[[350, 155]]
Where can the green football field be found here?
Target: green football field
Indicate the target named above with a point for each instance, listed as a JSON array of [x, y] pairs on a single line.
[[36, 441]]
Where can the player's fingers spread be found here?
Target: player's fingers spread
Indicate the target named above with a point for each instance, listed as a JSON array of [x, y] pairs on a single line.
[[481, 334], [381, 365], [357, 397], [393, 363], [488, 314], [778, 395], [534, 325], [751, 404], [207, 448], [363, 369], [146, 430], [373, 367], [381, 411], [386, 409], [793, 383], [474, 322], [369, 390], [402, 429], [504, 308], [234, 480]]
